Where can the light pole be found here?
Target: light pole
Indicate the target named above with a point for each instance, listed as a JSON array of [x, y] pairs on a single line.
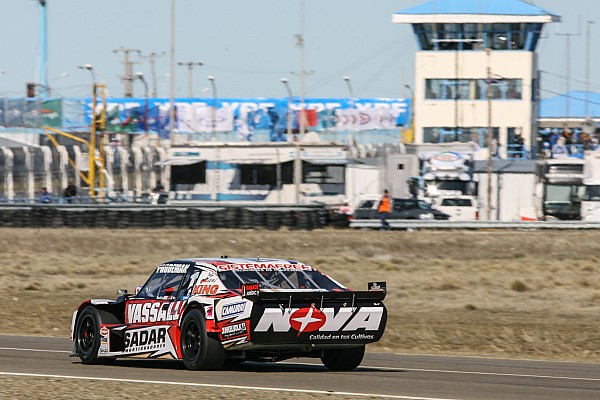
[[289, 111], [217, 182], [190, 65], [43, 48], [213, 86], [352, 109], [297, 160], [152, 60], [89, 67], [140, 76]]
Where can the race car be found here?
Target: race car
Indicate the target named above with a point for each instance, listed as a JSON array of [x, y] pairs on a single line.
[[212, 312]]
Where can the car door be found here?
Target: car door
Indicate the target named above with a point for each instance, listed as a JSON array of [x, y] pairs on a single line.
[[367, 209], [400, 209], [152, 315]]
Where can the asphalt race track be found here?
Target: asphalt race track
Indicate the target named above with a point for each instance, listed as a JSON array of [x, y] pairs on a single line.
[[381, 375]]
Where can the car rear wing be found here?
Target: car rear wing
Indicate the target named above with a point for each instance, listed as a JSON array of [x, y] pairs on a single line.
[[325, 296], [281, 297]]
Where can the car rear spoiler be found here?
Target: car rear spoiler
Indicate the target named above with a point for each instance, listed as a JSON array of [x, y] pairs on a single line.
[[348, 296]]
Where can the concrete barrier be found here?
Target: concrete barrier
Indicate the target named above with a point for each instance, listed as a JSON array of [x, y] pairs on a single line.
[[152, 216]]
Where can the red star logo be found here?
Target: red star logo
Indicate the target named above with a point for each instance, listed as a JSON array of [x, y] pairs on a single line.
[[307, 319]]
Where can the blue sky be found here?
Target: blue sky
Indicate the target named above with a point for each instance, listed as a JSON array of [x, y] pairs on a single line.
[[248, 46]]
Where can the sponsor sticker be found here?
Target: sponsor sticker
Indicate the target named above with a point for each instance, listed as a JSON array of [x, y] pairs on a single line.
[[250, 290], [236, 330], [311, 319], [103, 349], [175, 268], [153, 311], [155, 339], [205, 289], [231, 310], [264, 267], [377, 287]]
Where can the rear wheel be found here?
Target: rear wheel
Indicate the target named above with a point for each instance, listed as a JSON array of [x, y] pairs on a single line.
[[343, 359], [199, 351]]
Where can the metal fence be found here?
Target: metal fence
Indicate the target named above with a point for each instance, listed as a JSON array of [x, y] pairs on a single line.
[[410, 224]]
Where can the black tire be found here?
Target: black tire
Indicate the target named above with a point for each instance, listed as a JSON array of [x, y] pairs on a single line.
[[199, 351], [343, 359], [87, 335]]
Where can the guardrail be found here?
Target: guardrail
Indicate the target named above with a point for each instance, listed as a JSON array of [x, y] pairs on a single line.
[[418, 224]]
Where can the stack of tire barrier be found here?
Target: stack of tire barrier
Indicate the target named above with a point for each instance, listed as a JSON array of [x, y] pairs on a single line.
[[144, 217]]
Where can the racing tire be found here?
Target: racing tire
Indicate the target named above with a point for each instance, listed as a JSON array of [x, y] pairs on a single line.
[[199, 351], [87, 336], [343, 359]]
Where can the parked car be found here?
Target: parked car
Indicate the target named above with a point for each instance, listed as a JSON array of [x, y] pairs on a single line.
[[460, 208], [401, 209]]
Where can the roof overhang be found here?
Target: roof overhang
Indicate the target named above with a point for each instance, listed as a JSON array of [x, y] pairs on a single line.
[[321, 161], [572, 122], [472, 18]]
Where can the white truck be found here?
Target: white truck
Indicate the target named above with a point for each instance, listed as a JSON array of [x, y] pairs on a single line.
[[590, 201], [459, 208]]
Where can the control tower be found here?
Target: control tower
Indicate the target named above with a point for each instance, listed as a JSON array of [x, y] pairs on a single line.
[[476, 68]]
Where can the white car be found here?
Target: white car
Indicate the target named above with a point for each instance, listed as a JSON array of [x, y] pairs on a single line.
[[459, 208]]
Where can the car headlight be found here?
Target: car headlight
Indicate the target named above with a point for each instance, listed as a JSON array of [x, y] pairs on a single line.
[[426, 216]]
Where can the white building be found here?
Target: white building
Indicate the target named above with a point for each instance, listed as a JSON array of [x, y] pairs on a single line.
[[476, 69]]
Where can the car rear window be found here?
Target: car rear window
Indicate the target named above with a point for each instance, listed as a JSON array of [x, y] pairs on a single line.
[[278, 279], [367, 204], [456, 202]]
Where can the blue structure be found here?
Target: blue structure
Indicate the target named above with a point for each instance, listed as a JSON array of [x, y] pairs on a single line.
[[575, 101]]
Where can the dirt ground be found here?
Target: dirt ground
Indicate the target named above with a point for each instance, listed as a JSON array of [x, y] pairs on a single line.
[[518, 294]]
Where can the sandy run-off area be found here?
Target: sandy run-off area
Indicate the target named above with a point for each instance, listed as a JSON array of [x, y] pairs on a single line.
[[518, 294]]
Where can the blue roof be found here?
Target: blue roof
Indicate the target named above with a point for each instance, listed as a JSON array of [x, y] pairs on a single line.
[[574, 101], [478, 7]]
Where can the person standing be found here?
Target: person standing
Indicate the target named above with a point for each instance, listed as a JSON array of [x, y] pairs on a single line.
[[70, 192], [384, 210], [45, 197]]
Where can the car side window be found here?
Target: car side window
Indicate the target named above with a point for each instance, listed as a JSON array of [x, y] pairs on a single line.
[[367, 204], [152, 287], [187, 286], [399, 205]]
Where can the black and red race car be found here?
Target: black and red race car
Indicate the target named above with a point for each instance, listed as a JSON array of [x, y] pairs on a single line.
[[208, 312]]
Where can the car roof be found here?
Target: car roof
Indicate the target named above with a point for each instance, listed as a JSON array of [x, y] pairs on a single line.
[[243, 264]]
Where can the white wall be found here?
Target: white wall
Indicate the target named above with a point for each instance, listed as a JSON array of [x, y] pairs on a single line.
[[363, 179], [469, 113], [516, 196]]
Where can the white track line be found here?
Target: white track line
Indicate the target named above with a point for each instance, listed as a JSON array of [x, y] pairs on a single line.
[[270, 389], [571, 378], [40, 350]]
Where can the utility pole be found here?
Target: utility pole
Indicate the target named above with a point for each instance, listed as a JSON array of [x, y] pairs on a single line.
[[152, 60], [489, 136], [299, 38], [128, 77], [587, 68], [172, 73], [568, 71], [190, 66]]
